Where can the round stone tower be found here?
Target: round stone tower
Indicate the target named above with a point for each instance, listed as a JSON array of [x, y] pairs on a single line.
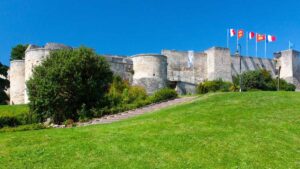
[[17, 81], [150, 71], [34, 55]]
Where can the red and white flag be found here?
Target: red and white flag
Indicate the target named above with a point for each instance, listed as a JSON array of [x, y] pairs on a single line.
[[251, 35], [232, 32], [271, 38]]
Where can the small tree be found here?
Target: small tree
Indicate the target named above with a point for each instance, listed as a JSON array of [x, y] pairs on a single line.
[[4, 84], [18, 52], [67, 82]]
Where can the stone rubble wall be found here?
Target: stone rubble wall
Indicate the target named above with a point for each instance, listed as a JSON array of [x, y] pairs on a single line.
[[179, 68], [121, 66], [251, 63]]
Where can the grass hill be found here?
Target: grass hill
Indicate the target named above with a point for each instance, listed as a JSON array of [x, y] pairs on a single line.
[[223, 130]]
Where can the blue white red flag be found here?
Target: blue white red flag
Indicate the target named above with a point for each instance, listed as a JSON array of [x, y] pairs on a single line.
[[251, 35]]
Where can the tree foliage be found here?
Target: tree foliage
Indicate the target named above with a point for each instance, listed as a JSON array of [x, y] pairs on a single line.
[[261, 80], [67, 82], [18, 52], [4, 84]]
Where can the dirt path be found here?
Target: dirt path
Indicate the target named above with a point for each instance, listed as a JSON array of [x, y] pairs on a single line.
[[136, 112]]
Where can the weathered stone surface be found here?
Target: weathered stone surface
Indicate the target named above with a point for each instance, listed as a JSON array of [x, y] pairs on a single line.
[[150, 71], [182, 69], [17, 81]]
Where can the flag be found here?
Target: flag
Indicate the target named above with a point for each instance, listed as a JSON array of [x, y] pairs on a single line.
[[251, 35], [240, 33], [232, 32], [260, 37], [271, 38]]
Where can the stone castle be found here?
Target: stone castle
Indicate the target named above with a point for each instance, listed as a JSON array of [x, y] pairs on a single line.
[[182, 70]]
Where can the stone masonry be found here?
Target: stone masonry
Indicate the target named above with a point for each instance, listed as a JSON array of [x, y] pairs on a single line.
[[182, 70]]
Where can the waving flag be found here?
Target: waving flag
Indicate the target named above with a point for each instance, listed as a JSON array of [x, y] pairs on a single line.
[[271, 38], [240, 33], [251, 35], [232, 32], [260, 37]]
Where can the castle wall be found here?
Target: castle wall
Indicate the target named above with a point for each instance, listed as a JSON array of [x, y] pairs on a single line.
[[185, 67], [218, 64], [150, 71], [296, 69], [251, 63], [121, 66], [17, 81]]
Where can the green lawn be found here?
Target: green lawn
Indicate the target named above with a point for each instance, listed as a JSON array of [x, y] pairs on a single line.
[[6, 110], [225, 130]]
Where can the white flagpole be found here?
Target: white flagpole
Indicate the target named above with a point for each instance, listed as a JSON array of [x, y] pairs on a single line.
[[228, 38], [256, 44], [247, 36], [237, 41], [265, 45]]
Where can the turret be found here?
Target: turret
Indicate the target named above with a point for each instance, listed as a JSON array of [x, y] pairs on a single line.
[[150, 71]]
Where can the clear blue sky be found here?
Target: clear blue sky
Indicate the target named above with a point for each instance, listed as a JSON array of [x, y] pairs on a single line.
[[128, 27]]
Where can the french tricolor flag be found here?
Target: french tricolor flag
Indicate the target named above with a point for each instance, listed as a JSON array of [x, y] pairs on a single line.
[[251, 35], [271, 38], [232, 32]]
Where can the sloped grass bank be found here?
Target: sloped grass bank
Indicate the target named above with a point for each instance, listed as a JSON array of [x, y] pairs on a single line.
[[224, 130]]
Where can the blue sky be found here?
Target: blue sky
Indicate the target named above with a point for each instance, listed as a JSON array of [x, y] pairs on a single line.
[[128, 27]]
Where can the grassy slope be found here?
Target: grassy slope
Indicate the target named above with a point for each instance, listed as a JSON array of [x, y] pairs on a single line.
[[6, 110], [252, 130]]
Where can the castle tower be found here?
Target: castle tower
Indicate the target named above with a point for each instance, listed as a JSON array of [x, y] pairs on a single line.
[[17, 81], [218, 64], [289, 61], [34, 55], [150, 71]]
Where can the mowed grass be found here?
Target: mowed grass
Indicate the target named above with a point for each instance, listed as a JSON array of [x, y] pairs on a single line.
[[13, 110], [224, 130]]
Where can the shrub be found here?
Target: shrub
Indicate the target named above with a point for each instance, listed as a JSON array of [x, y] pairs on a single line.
[[18, 52], [134, 94], [213, 86], [163, 94], [66, 81], [4, 84], [261, 80]]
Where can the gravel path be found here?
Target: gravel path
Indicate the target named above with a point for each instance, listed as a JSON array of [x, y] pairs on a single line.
[[136, 112]]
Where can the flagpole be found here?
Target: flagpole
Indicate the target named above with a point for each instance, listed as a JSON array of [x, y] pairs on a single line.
[[227, 38], [265, 45], [256, 44], [247, 36], [237, 41]]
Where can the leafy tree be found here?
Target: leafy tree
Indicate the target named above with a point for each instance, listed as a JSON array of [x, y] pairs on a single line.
[[261, 80], [4, 84], [68, 82], [18, 52]]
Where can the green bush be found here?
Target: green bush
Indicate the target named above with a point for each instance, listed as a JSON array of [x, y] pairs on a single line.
[[261, 80], [4, 84], [66, 82], [18, 52], [214, 86], [163, 94], [134, 94]]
